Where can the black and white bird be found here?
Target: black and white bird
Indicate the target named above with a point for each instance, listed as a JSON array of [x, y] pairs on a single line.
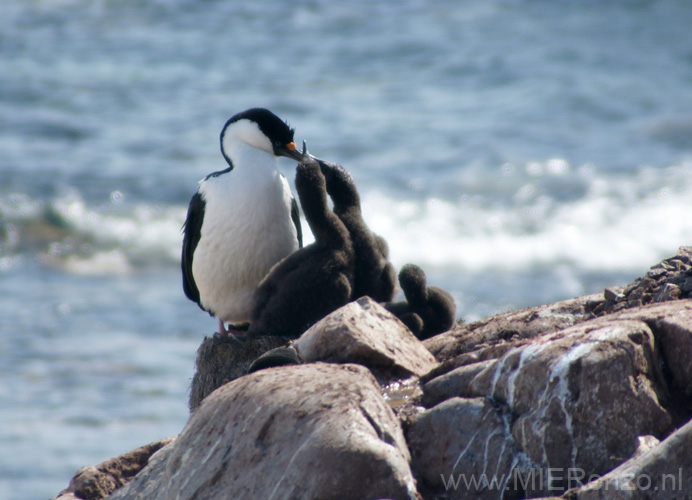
[[242, 220]]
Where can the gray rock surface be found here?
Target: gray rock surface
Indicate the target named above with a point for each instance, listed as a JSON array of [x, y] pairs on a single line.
[[98, 482], [366, 333], [671, 279], [585, 382], [464, 448], [294, 432], [453, 384], [663, 471], [220, 360], [580, 398], [487, 338], [672, 324]]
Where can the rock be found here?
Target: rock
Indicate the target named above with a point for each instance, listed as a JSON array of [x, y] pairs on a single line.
[[687, 285], [667, 280], [663, 472], [279, 356], [463, 448], [220, 360], [668, 291], [613, 295], [510, 327], [646, 443], [453, 384], [68, 496], [365, 333], [147, 480], [672, 327], [676, 345], [98, 482], [581, 397], [525, 404], [303, 431]]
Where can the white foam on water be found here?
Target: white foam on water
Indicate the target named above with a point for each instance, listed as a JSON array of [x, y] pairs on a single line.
[[616, 223], [544, 214], [100, 263], [85, 239]]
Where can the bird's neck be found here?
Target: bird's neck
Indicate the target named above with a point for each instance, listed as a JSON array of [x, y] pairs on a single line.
[[245, 156]]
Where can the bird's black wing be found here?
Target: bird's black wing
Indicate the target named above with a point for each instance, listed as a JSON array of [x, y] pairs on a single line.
[[295, 216], [191, 234]]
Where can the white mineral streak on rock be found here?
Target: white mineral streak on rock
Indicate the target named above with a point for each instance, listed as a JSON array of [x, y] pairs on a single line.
[[499, 368], [463, 452], [527, 353], [562, 392]]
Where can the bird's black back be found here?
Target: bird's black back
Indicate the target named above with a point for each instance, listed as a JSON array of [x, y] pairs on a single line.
[[192, 230]]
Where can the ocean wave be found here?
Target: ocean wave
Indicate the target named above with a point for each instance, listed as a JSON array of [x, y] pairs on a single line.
[[540, 214], [70, 234], [544, 214]]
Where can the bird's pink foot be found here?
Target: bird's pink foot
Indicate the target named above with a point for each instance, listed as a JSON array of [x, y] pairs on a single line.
[[230, 333]]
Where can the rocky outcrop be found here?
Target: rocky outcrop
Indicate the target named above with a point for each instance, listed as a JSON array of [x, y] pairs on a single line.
[[589, 398], [310, 431], [222, 359], [361, 332], [670, 279], [490, 337], [98, 482], [570, 391], [661, 471], [574, 400]]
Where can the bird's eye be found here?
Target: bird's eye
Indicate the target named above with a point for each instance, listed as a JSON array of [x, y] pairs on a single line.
[[277, 144]]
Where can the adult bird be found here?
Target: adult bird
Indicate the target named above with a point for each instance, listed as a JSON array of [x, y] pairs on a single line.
[[242, 220]]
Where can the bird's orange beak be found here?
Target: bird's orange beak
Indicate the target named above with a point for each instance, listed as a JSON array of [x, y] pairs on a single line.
[[289, 150]]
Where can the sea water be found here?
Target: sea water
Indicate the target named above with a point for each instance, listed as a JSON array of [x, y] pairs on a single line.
[[519, 152]]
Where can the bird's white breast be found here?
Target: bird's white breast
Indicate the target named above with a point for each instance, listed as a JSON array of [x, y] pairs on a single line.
[[247, 228]]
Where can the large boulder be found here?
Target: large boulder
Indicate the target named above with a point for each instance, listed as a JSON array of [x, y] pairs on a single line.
[[294, 432], [576, 399], [672, 327], [581, 397], [464, 448], [661, 472], [366, 333]]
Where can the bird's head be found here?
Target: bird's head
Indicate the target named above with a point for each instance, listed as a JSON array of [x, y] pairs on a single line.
[[261, 129]]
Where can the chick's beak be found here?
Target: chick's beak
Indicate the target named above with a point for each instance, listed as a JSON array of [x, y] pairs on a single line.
[[289, 150]]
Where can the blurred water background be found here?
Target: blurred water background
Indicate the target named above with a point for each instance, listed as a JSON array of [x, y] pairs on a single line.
[[520, 152]]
